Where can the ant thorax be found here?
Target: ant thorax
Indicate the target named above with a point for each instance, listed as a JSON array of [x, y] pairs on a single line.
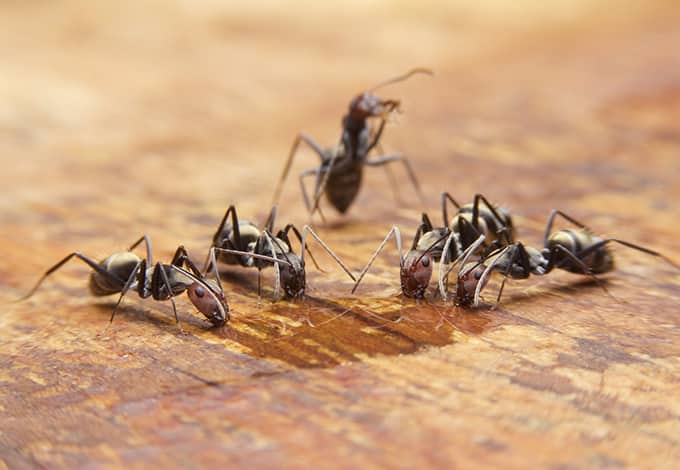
[[356, 138], [537, 260], [434, 241]]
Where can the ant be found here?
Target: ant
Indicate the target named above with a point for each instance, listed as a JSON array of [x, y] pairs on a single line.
[[416, 267], [239, 242], [578, 251], [464, 235], [470, 221], [342, 166], [124, 270]]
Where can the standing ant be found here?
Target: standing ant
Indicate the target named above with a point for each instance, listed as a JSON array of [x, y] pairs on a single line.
[[125, 270], [578, 251], [342, 166], [239, 242]]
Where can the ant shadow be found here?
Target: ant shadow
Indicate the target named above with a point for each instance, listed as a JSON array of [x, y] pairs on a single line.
[[542, 290]]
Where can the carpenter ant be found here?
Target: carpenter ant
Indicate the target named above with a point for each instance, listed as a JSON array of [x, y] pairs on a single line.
[[340, 173], [239, 242], [577, 250], [125, 270], [464, 229], [416, 267]]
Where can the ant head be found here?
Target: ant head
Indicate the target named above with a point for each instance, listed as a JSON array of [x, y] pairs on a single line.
[[293, 276], [416, 271], [467, 284], [210, 301], [367, 105]]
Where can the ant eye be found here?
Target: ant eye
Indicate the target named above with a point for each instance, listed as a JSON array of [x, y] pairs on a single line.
[[425, 261], [199, 292], [478, 274]]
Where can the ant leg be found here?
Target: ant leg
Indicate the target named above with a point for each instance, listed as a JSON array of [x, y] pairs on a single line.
[[462, 259], [140, 265], [91, 263], [317, 172], [483, 278], [166, 281], [520, 252], [277, 278], [394, 186], [422, 228], [269, 223], [445, 215], [376, 137], [147, 242], [599, 244], [236, 233], [584, 267], [306, 229], [467, 231], [551, 218], [398, 157], [393, 231], [504, 229], [283, 234], [442, 261], [252, 255], [301, 137], [327, 167]]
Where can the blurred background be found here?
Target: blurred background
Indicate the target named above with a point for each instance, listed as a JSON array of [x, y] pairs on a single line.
[[152, 116]]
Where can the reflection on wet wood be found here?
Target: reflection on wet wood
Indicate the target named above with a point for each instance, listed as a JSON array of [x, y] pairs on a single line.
[[157, 127]]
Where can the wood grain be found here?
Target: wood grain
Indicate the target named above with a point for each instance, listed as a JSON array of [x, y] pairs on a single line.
[[123, 118]]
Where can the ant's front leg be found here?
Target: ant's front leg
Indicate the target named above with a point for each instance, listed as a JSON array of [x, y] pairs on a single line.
[[300, 138]]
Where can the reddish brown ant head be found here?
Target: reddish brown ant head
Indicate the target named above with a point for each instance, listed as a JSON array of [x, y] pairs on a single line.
[[416, 271], [210, 301], [467, 284], [293, 276], [367, 105]]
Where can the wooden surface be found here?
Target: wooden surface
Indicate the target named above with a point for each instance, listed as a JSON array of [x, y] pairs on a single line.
[[123, 118]]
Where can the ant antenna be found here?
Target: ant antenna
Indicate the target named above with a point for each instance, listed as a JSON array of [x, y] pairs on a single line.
[[402, 77]]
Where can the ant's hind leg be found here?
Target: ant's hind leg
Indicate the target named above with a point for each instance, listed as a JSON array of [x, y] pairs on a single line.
[[551, 219], [398, 157], [126, 287], [147, 243], [91, 263], [164, 276]]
